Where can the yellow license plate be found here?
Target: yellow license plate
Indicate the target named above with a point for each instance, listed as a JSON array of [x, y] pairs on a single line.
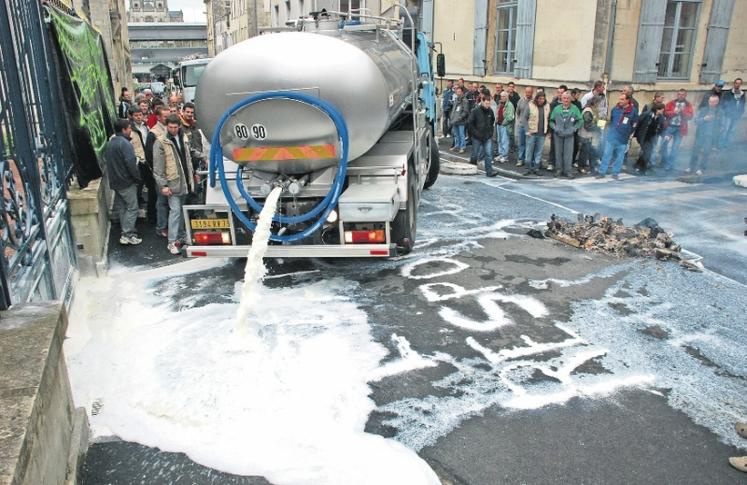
[[209, 224]]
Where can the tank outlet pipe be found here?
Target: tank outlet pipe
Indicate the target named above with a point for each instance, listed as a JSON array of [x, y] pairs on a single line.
[[322, 209]]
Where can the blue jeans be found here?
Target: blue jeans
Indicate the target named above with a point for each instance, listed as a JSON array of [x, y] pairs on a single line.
[[460, 142], [483, 149], [501, 139], [176, 217], [162, 211], [669, 148], [522, 134], [613, 150], [534, 145]]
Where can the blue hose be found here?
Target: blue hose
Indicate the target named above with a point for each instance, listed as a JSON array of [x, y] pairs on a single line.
[[324, 207]]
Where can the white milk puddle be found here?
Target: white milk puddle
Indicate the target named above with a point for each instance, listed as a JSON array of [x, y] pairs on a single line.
[[287, 400]]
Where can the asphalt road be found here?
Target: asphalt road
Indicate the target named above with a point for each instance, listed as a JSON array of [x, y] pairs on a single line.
[[544, 364]]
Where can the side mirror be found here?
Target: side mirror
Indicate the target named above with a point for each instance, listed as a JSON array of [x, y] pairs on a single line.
[[440, 65]]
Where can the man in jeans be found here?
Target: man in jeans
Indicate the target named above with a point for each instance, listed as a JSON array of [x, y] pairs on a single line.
[[622, 123], [481, 122], [172, 169], [708, 122], [446, 104], [536, 118], [520, 127], [678, 113], [124, 177], [733, 101], [504, 126], [458, 120], [565, 120]]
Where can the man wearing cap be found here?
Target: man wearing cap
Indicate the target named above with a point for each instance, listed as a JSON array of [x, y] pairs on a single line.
[[717, 90]]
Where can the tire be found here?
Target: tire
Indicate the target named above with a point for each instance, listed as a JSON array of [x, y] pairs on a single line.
[[405, 222], [435, 167]]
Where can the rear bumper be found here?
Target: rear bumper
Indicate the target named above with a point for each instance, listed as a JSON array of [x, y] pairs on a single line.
[[298, 251]]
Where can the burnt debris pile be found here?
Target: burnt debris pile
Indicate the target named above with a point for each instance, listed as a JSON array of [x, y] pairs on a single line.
[[611, 236]]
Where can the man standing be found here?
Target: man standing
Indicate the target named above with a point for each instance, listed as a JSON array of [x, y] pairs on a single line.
[[123, 109], [504, 126], [708, 122], [172, 169], [192, 132], [717, 90], [536, 118], [513, 96], [647, 133], [473, 96], [124, 177], [446, 105], [677, 113], [733, 101], [520, 127], [628, 91], [458, 120], [481, 122], [565, 120], [157, 205], [597, 90], [554, 104], [137, 138], [623, 119]]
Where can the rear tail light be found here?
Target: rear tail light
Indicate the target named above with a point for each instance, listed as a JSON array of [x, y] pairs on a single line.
[[211, 238], [363, 237]]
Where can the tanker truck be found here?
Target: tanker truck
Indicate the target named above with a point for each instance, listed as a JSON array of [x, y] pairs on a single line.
[[341, 115]]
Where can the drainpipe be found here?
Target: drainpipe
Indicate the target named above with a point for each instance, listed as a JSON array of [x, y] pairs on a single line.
[[610, 50]]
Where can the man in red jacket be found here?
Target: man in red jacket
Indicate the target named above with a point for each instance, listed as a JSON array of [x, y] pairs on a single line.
[[678, 113]]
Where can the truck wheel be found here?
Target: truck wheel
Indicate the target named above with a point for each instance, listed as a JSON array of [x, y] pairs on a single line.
[[435, 164], [405, 222]]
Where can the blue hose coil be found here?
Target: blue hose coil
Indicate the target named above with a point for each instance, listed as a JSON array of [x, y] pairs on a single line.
[[324, 207]]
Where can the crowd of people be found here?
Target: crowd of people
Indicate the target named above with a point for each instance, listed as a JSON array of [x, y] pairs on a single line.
[[585, 135], [152, 165]]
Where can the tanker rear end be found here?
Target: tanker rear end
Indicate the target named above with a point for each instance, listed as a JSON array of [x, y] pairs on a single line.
[[333, 115]]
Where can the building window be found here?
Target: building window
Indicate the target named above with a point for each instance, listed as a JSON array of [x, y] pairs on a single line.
[[678, 39], [505, 36]]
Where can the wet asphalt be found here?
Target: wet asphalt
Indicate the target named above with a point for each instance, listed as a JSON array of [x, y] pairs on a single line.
[[463, 415]]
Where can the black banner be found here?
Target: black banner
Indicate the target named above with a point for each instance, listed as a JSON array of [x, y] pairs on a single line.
[[86, 91]]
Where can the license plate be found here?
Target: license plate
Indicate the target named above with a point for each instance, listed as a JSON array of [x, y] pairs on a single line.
[[209, 224]]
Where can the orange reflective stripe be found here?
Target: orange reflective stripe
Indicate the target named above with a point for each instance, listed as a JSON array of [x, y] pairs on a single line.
[[265, 154]]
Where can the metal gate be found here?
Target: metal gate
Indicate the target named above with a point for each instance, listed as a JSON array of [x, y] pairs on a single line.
[[38, 257]]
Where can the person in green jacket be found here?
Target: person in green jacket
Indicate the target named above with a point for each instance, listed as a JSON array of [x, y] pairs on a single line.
[[565, 120], [504, 126]]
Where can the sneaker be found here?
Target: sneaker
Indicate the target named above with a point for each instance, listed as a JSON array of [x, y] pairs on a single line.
[[173, 248], [129, 240], [739, 462], [550, 167], [699, 173], [615, 176], [462, 150], [162, 233], [519, 163], [575, 164], [141, 214]]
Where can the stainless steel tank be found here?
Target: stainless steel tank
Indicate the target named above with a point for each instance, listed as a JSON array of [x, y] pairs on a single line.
[[366, 75]]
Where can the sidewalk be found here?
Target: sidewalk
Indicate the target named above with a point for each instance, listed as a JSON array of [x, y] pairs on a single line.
[[721, 165]]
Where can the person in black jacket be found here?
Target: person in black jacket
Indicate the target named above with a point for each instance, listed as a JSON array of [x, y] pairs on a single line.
[[124, 177], [123, 108], [480, 125], [647, 133]]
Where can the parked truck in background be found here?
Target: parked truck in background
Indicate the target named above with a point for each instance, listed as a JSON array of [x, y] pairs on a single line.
[[189, 74], [341, 115]]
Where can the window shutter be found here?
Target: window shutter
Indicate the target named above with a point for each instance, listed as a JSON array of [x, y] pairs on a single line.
[[426, 19], [481, 37], [525, 15], [648, 48], [718, 31]]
